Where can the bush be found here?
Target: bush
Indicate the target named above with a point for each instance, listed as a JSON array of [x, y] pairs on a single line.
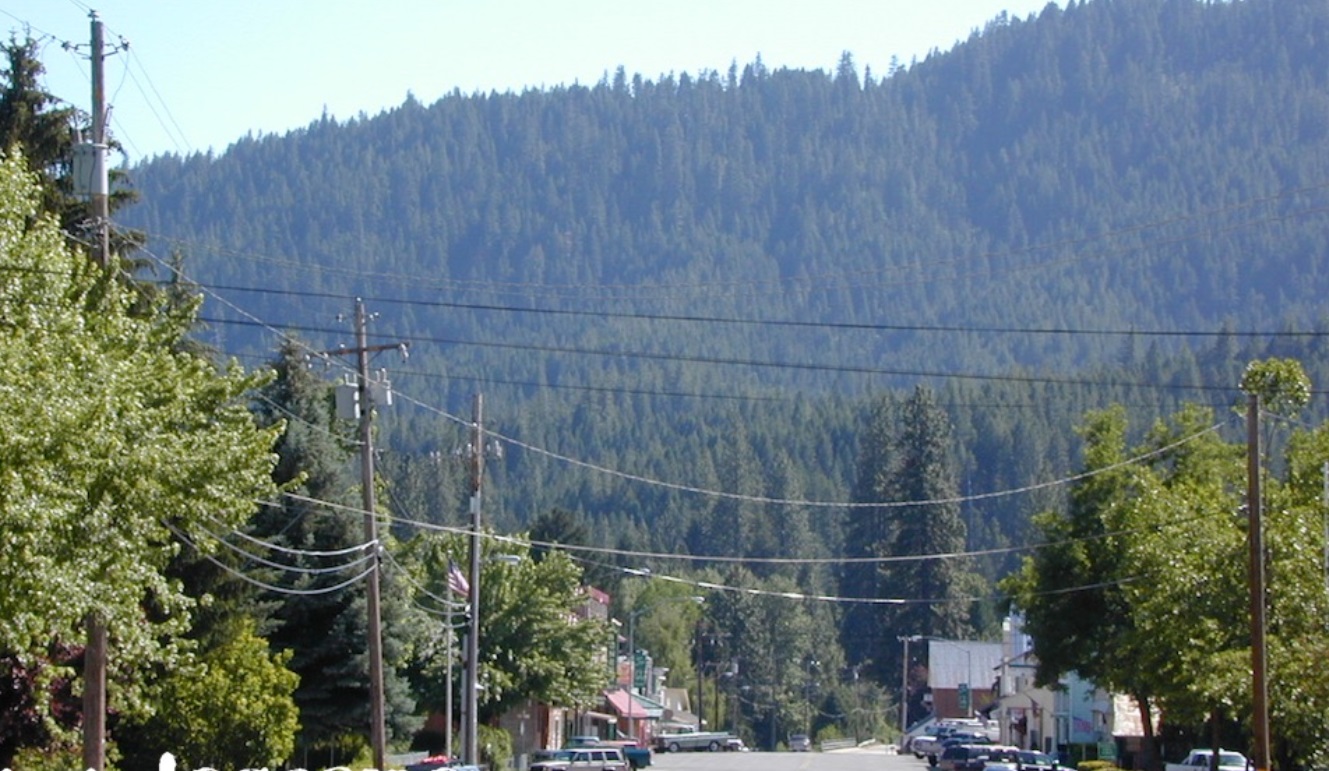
[[495, 747]]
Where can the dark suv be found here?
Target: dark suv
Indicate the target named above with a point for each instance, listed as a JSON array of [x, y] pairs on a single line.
[[966, 757]]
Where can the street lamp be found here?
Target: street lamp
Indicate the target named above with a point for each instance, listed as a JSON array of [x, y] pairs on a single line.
[[632, 633]]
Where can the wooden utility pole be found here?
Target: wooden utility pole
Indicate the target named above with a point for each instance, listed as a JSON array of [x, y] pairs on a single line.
[[373, 591], [471, 683], [1255, 538], [377, 720], [94, 654], [100, 199], [94, 694]]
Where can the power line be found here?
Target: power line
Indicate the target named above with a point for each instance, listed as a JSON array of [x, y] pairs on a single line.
[[263, 584], [788, 502], [785, 323], [757, 363], [850, 279], [293, 568]]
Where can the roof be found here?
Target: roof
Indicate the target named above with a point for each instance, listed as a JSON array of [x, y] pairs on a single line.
[[951, 662], [633, 706]]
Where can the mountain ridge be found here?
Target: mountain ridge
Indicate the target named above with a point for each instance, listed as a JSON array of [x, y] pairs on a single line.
[[1117, 165]]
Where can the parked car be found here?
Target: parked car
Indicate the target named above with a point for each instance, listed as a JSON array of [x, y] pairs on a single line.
[[800, 743], [1199, 760], [1033, 760], [969, 757], [956, 740], [998, 758], [634, 752], [581, 759]]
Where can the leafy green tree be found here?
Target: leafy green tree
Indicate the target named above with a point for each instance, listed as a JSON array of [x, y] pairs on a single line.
[[37, 707], [1072, 591], [232, 709], [1299, 603], [116, 441], [1142, 587], [533, 644]]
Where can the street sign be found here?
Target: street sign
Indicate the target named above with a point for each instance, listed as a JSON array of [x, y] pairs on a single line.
[[964, 698], [640, 665]]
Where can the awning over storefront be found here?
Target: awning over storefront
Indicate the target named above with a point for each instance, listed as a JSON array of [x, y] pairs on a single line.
[[632, 706]]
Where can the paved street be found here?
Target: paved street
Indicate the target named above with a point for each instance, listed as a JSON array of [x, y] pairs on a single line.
[[870, 759]]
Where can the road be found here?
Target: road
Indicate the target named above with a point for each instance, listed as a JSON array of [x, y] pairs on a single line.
[[867, 759]]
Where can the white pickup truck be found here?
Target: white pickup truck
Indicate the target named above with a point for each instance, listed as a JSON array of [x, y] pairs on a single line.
[[693, 741], [1200, 760]]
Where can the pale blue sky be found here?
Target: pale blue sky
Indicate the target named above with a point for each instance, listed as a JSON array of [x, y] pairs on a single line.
[[200, 74]]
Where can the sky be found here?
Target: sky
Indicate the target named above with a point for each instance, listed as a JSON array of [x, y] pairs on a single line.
[[199, 74]]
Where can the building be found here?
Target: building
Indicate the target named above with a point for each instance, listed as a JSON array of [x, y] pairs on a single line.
[[1074, 719], [962, 675]]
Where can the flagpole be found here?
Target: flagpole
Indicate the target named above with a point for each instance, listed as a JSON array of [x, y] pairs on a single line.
[[457, 584], [447, 716]]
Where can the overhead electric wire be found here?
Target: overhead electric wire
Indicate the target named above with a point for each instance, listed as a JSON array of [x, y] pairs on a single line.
[[851, 279], [292, 568], [263, 584], [730, 361], [840, 598], [173, 131], [405, 577], [252, 320], [785, 501], [793, 323], [461, 531], [298, 552]]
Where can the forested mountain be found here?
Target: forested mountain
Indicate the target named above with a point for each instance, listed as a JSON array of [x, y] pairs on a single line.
[[700, 278]]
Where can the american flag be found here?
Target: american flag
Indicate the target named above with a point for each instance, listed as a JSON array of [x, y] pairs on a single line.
[[457, 580]]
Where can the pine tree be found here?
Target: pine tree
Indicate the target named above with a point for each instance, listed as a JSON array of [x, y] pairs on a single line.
[[904, 457], [326, 631], [922, 470], [33, 119], [43, 127]]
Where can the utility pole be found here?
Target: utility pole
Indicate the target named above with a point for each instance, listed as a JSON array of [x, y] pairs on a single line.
[[94, 654], [1255, 537], [365, 403], [377, 720], [470, 699], [100, 193], [904, 691]]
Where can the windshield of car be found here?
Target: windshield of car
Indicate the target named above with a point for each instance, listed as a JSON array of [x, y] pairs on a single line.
[[1231, 759], [1035, 758]]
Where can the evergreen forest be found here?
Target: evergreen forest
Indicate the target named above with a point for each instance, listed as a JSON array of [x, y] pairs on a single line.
[[705, 278]]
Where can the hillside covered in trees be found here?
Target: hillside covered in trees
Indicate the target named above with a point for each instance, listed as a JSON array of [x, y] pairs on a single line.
[[705, 278]]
